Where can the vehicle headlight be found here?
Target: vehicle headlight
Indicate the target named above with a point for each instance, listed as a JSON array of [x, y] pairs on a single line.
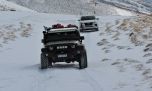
[[51, 48], [95, 24], [83, 25]]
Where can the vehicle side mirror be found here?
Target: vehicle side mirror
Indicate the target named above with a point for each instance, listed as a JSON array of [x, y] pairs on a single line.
[[44, 32], [47, 28], [42, 41], [82, 37]]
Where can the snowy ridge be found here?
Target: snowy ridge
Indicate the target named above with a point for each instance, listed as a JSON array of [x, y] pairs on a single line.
[[139, 6], [9, 6], [78, 7]]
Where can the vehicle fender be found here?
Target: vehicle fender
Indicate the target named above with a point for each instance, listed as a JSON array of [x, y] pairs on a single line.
[[44, 50]]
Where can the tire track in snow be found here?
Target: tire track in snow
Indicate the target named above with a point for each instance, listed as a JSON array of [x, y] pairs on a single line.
[[40, 83], [89, 43], [93, 83]]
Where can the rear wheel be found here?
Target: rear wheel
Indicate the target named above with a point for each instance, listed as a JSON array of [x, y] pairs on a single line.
[[96, 29], [83, 60], [44, 61]]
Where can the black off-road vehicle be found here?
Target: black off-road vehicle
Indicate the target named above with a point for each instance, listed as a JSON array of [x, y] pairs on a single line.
[[62, 45]]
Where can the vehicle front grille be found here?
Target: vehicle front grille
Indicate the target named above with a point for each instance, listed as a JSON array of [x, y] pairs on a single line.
[[88, 24]]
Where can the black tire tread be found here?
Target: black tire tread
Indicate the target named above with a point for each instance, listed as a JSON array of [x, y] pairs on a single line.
[[44, 61], [83, 58]]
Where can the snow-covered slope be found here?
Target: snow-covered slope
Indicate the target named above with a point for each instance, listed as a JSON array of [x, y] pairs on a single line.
[[9, 6], [139, 6], [78, 7]]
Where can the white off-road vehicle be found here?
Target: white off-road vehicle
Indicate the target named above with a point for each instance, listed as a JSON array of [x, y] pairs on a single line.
[[88, 24]]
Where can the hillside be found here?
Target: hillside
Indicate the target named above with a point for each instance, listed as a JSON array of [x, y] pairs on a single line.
[[139, 6], [78, 7], [9, 6]]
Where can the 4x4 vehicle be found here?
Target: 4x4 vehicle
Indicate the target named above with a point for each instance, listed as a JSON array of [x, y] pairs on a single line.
[[63, 45], [88, 24]]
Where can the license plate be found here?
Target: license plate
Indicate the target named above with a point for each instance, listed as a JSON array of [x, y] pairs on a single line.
[[62, 55]]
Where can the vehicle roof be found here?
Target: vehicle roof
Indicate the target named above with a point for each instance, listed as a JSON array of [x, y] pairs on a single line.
[[62, 30], [88, 17]]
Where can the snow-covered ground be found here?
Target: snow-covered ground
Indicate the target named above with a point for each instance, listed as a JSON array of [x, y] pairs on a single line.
[[115, 63], [119, 55]]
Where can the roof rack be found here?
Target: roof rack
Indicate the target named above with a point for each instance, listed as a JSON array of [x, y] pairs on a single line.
[[62, 30]]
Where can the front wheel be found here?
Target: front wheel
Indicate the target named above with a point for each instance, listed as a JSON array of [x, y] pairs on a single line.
[[83, 60], [44, 61], [96, 29]]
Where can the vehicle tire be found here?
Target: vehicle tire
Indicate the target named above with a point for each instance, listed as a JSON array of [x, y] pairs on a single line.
[[83, 60], [44, 61], [97, 29]]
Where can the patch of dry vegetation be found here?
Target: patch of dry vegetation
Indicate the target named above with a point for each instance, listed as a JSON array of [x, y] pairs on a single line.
[[6, 8], [124, 25], [108, 27], [11, 32], [138, 30], [140, 27], [26, 29]]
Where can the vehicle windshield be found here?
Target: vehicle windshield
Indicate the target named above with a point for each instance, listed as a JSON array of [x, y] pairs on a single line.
[[87, 18], [59, 36]]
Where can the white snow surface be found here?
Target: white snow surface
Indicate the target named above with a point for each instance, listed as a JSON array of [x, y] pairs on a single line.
[[117, 65], [114, 62]]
